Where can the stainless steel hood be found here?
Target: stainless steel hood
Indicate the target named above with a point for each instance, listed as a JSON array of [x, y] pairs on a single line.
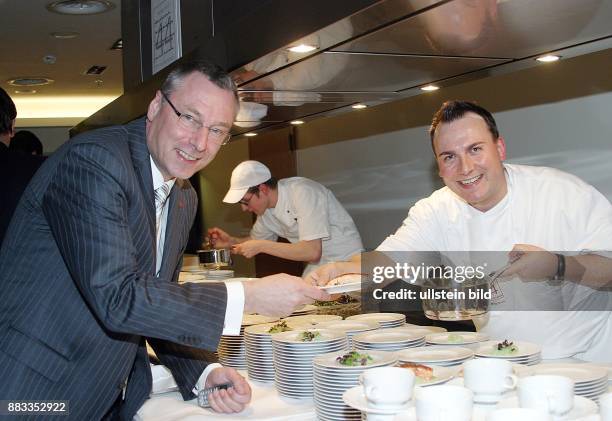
[[367, 52], [391, 49]]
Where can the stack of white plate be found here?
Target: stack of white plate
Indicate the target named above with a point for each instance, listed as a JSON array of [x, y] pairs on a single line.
[[258, 342], [589, 381], [436, 355], [456, 338], [219, 274], [332, 379], [307, 309], [293, 359], [385, 320], [388, 339], [312, 319], [527, 353], [231, 349], [349, 327]]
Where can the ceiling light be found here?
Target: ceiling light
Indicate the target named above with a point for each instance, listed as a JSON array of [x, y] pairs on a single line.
[[60, 106], [64, 34], [30, 81], [80, 7], [25, 91], [549, 58], [429, 88], [297, 122], [250, 134], [302, 48], [359, 106]]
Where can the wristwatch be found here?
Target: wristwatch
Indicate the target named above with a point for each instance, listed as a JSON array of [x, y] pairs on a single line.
[[560, 275]]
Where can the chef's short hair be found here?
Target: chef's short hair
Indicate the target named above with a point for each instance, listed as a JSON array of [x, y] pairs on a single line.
[[454, 110], [271, 183]]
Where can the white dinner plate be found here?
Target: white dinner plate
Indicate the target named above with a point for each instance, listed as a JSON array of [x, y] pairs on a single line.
[[464, 338], [578, 372], [525, 350], [342, 288], [435, 354], [355, 398]]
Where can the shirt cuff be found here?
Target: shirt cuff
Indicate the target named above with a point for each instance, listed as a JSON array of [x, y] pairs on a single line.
[[234, 309], [201, 383]]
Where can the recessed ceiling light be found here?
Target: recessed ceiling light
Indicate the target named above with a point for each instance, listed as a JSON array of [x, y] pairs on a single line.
[[250, 134], [548, 58], [25, 91], [359, 106], [30, 81], [429, 88], [64, 34], [80, 7], [302, 48], [297, 122]]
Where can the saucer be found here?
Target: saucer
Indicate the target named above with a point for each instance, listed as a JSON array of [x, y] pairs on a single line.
[[355, 398], [582, 407]]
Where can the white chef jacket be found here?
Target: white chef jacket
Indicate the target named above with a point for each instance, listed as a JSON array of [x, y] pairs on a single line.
[[544, 207], [306, 210]]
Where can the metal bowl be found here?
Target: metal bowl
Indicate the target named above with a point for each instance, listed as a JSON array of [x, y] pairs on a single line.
[[215, 258]]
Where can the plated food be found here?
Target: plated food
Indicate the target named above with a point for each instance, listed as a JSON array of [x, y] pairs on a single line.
[[354, 359], [505, 348], [421, 371], [281, 326], [308, 336]]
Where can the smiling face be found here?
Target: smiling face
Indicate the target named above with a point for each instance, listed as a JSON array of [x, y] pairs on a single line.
[[470, 161], [178, 152]]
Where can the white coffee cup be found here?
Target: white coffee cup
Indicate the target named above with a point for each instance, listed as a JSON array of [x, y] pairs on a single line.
[[448, 403], [387, 387], [488, 378], [605, 407], [522, 414], [554, 394]]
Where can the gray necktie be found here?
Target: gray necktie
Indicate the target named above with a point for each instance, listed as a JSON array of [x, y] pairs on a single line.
[[161, 195]]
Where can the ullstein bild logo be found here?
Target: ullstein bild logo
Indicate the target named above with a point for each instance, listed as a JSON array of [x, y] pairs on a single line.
[[411, 273]]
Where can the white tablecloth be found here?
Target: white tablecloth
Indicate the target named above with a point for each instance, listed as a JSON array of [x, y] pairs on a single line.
[[266, 404]]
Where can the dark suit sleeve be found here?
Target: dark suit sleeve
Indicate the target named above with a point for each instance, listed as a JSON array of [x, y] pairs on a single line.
[[87, 208], [186, 363]]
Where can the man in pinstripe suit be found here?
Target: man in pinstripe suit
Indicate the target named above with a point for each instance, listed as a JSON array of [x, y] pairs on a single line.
[[89, 265]]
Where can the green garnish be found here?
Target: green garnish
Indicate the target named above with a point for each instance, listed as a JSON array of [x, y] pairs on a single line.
[[505, 348], [279, 327], [308, 336], [354, 358]]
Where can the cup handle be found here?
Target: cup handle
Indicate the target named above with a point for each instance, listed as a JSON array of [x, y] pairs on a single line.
[[511, 381]]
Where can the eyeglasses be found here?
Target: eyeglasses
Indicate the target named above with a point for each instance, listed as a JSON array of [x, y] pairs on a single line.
[[246, 202], [188, 122]]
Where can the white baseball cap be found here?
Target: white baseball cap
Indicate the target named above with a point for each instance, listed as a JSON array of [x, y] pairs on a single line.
[[246, 175]]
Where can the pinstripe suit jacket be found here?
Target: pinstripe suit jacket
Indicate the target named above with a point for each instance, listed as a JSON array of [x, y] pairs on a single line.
[[78, 291]]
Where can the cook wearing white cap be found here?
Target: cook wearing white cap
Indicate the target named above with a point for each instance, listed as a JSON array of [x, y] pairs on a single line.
[[301, 210]]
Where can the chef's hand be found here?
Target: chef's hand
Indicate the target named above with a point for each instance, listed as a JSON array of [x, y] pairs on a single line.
[[531, 263], [248, 248], [325, 273], [219, 238], [279, 295], [233, 399]]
